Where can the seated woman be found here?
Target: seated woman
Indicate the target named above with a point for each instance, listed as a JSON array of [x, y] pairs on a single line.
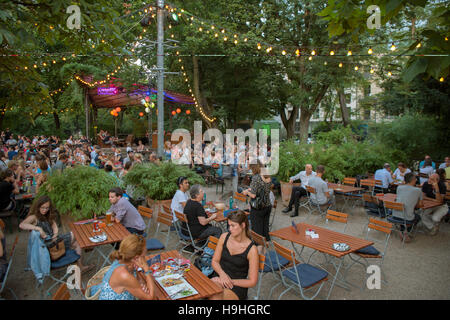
[[42, 218], [122, 282], [140, 147], [399, 173], [235, 259]]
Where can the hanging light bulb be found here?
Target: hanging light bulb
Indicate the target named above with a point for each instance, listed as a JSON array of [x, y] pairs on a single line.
[[441, 79], [259, 46], [349, 53], [340, 65], [356, 68], [418, 45], [371, 70], [200, 29], [225, 38], [313, 53], [393, 47], [297, 52], [331, 53], [389, 74], [325, 63], [310, 58], [283, 52], [216, 35], [370, 51]]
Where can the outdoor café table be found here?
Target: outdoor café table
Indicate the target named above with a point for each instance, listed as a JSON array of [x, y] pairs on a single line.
[[344, 190], [428, 203], [204, 286], [221, 220], [115, 233], [25, 196], [322, 244]]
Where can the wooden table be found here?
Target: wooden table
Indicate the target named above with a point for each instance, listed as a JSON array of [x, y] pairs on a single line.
[[344, 189], [204, 286], [24, 196], [115, 233], [323, 244], [428, 203]]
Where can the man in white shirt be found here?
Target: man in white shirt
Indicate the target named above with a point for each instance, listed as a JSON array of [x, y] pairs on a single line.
[[181, 197], [298, 192], [445, 164], [322, 194], [385, 176]]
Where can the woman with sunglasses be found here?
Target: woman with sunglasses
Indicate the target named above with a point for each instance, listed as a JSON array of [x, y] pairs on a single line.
[[235, 261]]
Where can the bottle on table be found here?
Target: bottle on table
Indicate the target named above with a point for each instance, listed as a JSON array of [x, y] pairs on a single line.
[[204, 200], [231, 202]]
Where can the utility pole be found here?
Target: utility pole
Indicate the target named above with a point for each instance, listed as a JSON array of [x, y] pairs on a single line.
[[160, 84]]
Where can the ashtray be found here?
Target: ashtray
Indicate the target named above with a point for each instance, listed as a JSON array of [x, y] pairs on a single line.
[[211, 210], [341, 247]]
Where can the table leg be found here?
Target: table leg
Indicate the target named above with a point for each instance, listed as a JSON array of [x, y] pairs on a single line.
[[335, 277]]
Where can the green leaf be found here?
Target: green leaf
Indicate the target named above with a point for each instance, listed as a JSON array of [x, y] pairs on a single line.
[[418, 66]]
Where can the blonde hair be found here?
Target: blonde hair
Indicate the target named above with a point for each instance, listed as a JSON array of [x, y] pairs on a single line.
[[130, 247]]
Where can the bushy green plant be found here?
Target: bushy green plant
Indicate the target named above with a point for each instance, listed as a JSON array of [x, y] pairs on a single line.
[[292, 159], [159, 182], [79, 192]]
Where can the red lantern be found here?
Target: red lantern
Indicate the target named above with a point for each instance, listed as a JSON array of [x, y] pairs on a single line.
[[174, 113], [147, 98], [188, 111], [118, 109], [141, 114], [178, 110]]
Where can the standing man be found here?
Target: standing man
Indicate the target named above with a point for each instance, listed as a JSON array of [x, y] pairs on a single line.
[[435, 189], [61, 163], [125, 213], [300, 191], [427, 157], [385, 176]]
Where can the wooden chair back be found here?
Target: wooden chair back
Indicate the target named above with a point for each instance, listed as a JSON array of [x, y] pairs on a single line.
[[382, 226], [369, 198], [212, 242], [164, 218], [145, 212], [284, 252], [166, 209], [62, 293], [259, 239], [337, 216], [349, 181], [262, 260], [180, 216], [398, 206], [367, 183], [311, 189], [240, 197]]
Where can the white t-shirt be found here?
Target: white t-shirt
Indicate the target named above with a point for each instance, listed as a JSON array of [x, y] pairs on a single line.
[[400, 176], [179, 197], [427, 170]]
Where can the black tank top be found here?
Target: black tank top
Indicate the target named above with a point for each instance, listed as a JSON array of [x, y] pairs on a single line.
[[236, 266]]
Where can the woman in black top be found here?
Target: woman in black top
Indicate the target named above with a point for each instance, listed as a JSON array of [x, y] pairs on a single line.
[[235, 260], [260, 191]]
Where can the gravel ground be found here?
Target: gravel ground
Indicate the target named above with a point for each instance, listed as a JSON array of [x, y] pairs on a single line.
[[418, 270]]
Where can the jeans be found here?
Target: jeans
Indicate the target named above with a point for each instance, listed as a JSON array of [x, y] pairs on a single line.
[[210, 231], [135, 231], [297, 193]]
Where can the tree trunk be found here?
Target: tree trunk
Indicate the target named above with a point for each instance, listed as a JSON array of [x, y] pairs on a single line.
[[57, 122], [305, 116], [413, 27], [343, 105], [202, 102], [289, 124]]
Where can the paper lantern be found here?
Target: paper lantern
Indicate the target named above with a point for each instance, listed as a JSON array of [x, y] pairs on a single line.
[[174, 113], [118, 109], [188, 111], [112, 112], [147, 98], [147, 109], [141, 114], [178, 110]]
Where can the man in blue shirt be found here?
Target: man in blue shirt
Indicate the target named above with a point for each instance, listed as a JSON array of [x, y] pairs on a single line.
[[385, 176], [11, 153], [423, 162]]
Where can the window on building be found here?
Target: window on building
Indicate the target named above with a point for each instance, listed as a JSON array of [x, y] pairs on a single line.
[[348, 98]]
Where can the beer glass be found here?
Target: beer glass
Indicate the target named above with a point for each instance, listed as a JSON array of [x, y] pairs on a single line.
[[109, 218]]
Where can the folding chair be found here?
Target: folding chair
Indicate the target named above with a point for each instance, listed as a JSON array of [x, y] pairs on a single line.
[[301, 276], [361, 256], [152, 243], [321, 208], [274, 210], [240, 199], [372, 207], [402, 222], [164, 219], [378, 186], [370, 184], [184, 226], [10, 261], [348, 196], [338, 217], [272, 261], [212, 242]]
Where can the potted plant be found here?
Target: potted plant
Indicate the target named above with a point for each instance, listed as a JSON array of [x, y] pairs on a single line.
[[78, 193], [158, 183]]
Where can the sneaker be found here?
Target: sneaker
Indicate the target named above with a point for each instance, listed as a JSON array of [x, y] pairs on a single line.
[[287, 210], [434, 231], [188, 249], [293, 214]]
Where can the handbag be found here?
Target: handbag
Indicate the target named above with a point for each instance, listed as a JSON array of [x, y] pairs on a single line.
[[56, 249]]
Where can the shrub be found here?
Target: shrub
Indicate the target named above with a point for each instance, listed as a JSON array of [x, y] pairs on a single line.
[[79, 192], [159, 182]]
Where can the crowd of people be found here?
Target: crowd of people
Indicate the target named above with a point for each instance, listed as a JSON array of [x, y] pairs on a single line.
[[235, 261]]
